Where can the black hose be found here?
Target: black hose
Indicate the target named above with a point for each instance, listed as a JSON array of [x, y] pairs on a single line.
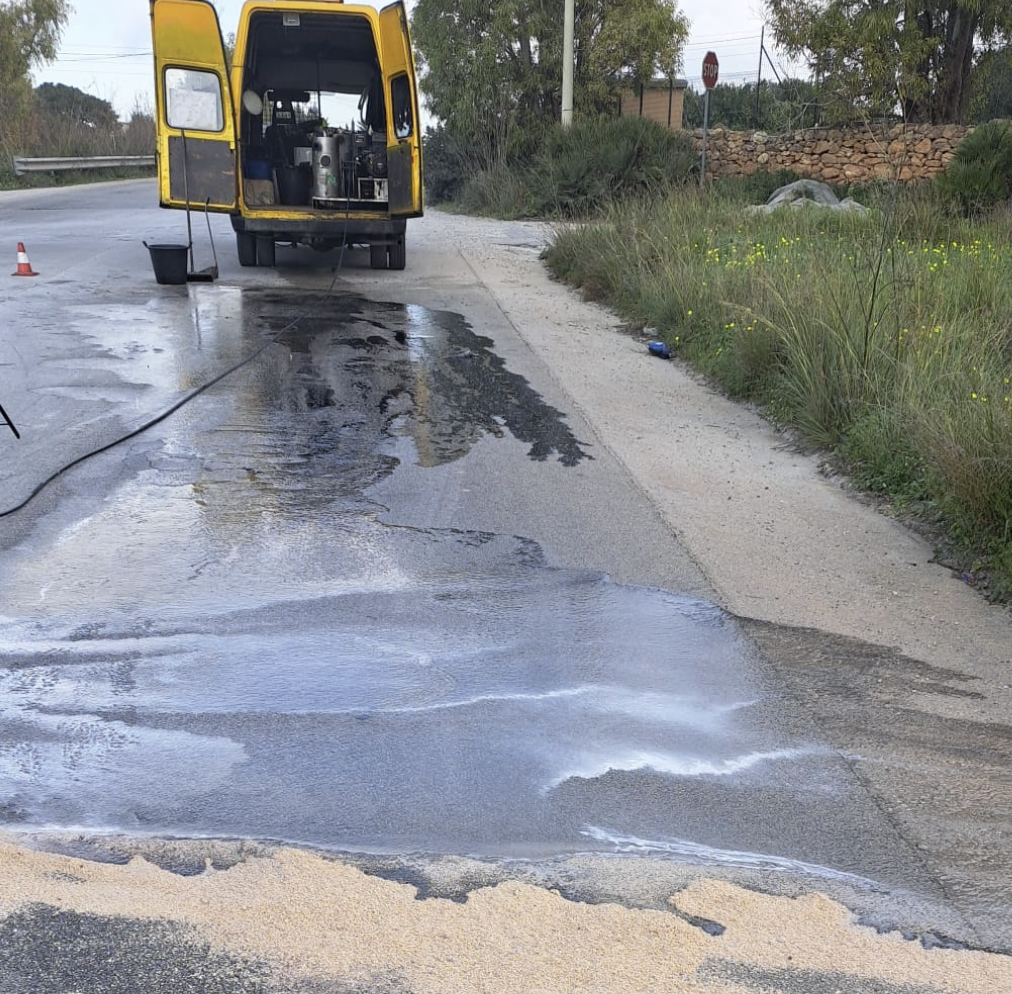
[[10, 424], [184, 400]]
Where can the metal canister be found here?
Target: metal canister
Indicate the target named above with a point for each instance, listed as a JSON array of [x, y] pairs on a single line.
[[327, 167]]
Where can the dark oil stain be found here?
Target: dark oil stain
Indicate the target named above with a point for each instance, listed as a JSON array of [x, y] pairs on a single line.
[[12, 814], [706, 925], [428, 368], [66, 878], [92, 849], [790, 981], [929, 940], [843, 679], [46, 950], [457, 889], [183, 857], [875, 671], [459, 886]]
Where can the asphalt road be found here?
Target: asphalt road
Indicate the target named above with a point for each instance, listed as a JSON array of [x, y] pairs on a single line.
[[380, 591]]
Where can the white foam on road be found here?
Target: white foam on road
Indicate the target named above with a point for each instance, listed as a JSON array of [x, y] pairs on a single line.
[[702, 855], [672, 764]]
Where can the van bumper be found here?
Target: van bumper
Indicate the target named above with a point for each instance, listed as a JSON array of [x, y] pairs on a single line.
[[308, 230]]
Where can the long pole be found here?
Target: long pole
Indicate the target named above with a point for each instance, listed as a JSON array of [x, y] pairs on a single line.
[[567, 64], [706, 125]]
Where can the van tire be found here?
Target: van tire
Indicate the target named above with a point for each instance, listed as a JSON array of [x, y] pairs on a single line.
[[398, 253], [246, 246], [378, 256], [265, 250]]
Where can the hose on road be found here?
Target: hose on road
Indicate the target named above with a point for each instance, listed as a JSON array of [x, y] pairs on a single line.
[[183, 401]]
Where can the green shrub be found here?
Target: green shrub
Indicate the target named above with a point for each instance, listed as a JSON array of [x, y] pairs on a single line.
[[496, 192], [882, 455], [979, 176], [577, 171], [445, 165], [593, 163]]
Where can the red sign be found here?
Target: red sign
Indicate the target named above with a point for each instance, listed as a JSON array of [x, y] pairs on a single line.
[[710, 70]]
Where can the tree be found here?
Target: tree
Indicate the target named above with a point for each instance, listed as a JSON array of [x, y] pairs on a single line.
[[75, 107], [621, 43], [69, 121], [991, 87], [882, 57], [493, 72], [29, 35]]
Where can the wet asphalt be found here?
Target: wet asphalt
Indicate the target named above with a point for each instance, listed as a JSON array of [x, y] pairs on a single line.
[[253, 633], [377, 592]]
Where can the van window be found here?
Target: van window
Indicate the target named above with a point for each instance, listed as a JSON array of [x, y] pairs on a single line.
[[403, 107], [193, 100]]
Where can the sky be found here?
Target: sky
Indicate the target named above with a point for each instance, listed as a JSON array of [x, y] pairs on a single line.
[[106, 46]]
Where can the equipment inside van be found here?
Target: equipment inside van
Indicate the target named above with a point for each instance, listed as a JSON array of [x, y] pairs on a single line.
[[312, 137]]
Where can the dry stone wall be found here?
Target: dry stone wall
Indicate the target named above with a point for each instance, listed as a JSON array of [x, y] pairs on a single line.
[[908, 153]]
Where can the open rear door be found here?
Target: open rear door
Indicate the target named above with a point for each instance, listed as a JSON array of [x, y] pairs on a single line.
[[194, 123], [404, 140]]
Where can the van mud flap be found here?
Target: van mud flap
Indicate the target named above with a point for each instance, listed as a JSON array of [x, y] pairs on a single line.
[[209, 170]]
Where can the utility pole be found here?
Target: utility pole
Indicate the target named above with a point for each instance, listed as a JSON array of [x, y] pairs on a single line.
[[567, 64]]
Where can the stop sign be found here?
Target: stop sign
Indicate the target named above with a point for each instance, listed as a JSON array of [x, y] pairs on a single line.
[[710, 70]]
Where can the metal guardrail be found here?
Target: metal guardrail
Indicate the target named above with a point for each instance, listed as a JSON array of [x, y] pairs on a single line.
[[58, 162]]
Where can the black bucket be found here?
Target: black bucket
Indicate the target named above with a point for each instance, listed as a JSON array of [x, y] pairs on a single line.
[[168, 262]]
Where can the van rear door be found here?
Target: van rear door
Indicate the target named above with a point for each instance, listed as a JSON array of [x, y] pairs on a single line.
[[194, 123], [404, 145]]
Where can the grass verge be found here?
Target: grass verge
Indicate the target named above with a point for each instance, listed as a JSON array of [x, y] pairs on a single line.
[[884, 338]]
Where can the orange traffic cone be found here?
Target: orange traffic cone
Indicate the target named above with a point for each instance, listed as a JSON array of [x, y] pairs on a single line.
[[24, 266]]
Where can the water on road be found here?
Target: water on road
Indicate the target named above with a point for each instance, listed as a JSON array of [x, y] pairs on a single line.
[[241, 637]]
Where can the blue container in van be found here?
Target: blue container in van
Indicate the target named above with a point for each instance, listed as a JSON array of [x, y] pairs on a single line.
[[258, 169]]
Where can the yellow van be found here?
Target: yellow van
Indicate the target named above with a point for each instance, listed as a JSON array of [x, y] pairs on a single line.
[[312, 137]]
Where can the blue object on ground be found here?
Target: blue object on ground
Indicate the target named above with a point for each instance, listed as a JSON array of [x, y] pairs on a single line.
[[660, 350]]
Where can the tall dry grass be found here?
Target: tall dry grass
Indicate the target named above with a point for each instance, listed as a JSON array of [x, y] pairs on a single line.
[[884, 337]]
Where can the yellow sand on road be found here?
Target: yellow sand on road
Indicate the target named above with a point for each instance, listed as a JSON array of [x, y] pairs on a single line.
[[313, 918]]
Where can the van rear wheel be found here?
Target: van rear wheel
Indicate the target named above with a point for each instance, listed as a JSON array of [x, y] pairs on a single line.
[[246, 246], [265, 250], [378, 256], [398, 253]]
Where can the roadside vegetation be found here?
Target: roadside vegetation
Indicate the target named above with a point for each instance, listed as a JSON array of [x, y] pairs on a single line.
[[54, 119], [883, 339], [574, 172], [65, 121]]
